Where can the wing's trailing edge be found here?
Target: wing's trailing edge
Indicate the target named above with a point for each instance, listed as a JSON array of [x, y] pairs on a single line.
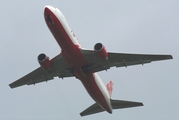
[[116, 104]]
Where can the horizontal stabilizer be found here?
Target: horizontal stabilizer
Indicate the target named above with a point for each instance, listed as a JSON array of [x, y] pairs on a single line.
[[116, 104], [95, 108]]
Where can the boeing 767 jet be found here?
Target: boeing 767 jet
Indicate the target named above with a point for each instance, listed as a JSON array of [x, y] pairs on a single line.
[[75, 61]]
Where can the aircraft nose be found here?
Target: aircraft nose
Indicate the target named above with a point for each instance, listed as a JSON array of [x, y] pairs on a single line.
[[48, 12], [48, 9]]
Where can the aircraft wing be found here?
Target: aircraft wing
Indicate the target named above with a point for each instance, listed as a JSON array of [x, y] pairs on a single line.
[[59, 69], [119, 59]]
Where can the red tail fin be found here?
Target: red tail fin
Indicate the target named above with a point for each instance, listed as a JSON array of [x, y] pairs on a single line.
[[109, 87]]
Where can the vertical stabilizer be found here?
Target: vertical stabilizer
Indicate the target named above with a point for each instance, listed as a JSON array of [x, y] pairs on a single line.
[[109, 87]]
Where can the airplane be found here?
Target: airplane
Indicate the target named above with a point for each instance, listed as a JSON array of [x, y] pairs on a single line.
[[75, 61]]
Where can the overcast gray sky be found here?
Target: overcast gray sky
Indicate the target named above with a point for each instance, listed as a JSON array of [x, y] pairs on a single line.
[[142, 26]]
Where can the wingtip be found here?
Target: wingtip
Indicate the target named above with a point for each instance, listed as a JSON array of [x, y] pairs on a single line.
[[11, 86], [81, 115], [171, 57]]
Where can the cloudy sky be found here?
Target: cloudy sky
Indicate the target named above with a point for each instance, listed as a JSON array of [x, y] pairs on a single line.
[[142, 26]]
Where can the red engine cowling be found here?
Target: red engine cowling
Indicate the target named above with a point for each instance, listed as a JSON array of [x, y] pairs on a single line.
[[44, 61], [101, 51]]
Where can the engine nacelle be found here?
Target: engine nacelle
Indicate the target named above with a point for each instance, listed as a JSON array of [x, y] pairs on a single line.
[[44, 61], [101, 51]]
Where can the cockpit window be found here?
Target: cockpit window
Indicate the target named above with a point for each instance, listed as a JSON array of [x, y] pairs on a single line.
[[49, 19]]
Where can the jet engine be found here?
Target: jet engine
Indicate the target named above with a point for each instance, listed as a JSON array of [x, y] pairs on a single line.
[[101, 50], [44, 61]]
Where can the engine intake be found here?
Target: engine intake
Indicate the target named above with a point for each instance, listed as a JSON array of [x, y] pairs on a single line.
[[101, 50], [44, 61]]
